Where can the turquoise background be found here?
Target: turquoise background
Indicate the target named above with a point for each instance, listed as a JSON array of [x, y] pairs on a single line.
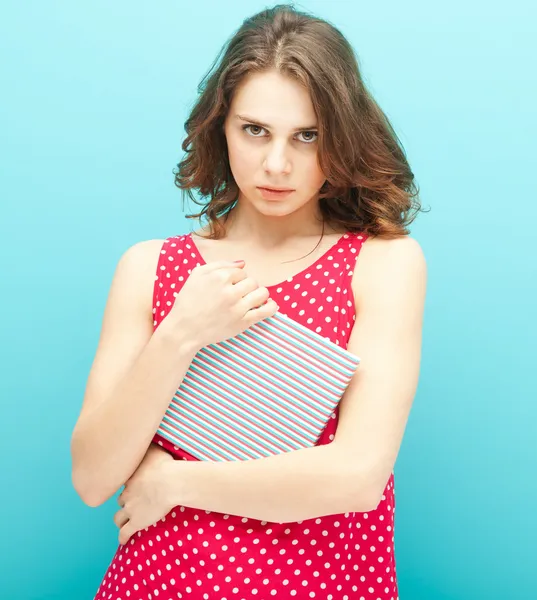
[[94, 99]]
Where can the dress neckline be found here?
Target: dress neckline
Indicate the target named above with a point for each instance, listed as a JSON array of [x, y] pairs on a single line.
[[301, 273]]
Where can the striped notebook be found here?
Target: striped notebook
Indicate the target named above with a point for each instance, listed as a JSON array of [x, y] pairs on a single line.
[[270, 389]]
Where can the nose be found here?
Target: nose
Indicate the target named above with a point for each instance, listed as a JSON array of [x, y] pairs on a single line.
[[276, 159]]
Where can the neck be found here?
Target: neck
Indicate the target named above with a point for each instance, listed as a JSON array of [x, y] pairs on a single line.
[[246, 224]]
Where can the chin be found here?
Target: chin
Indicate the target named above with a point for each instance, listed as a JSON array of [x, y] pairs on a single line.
[[280, 209], [272, 208]]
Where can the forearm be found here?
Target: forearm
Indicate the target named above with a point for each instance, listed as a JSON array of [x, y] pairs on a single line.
[[110, 442], [293, 486]]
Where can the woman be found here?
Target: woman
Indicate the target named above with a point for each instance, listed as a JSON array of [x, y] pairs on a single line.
[[290, 152]]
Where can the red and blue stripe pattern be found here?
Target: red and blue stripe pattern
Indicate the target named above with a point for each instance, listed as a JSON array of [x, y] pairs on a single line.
[[269, 390]]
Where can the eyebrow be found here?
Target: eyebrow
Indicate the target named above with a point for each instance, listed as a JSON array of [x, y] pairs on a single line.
[[251, 120]]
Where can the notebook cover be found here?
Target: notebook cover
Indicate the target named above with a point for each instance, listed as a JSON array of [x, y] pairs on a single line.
[[268, 390]]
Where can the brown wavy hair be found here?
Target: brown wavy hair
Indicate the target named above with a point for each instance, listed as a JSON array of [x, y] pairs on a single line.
[[369, 184]]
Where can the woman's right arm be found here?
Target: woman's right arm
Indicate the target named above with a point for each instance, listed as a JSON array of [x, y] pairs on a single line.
[[136, 372], [133, 378]]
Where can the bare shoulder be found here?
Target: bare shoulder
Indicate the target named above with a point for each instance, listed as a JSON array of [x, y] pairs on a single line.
[[403, 249], [389, 265], [143, 254], [127, 321], [137, 268]]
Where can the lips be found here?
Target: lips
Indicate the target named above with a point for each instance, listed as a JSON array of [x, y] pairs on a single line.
[[273, 189], [271, 194]]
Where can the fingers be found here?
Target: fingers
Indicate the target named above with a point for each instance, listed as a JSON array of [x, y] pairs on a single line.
[[229, 272], [221, 264], [253, 299], [121, 518], [125, 534], [245, 286], [237, 274], [254, 315]]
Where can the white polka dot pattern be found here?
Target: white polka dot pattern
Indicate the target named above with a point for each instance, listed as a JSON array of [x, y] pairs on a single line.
[[199, 554]]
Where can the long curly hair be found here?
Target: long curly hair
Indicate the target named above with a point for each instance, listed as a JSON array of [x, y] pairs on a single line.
[[369, 184]]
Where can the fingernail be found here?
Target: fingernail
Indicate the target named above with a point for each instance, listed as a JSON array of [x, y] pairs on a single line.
[[238, 261]]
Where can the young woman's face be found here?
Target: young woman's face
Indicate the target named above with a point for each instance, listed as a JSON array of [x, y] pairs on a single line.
[[271, 132]]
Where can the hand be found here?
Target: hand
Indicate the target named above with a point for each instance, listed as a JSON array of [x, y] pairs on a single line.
[[217, 302], [146, 497]]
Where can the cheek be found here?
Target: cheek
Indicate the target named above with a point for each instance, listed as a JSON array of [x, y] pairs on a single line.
[[314, 174], [241, 159]]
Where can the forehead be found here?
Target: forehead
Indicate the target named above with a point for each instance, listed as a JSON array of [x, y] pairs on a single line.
[[275, 99]]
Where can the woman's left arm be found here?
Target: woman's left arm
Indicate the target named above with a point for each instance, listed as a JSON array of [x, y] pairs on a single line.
[[350, 474]]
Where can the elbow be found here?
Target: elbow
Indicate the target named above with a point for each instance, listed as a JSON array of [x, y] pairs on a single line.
[[361, 493], [363, 500], [369, 501], [89, 481], [91, 494]]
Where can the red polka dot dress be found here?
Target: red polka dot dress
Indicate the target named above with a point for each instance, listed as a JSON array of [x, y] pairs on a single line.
[[197, 554]]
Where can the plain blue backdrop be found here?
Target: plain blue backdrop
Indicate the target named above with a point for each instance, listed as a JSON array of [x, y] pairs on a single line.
[[94, 99]]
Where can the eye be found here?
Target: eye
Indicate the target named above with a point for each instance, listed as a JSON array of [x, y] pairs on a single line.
[[311, 136], [253, 127], [256, 130]]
